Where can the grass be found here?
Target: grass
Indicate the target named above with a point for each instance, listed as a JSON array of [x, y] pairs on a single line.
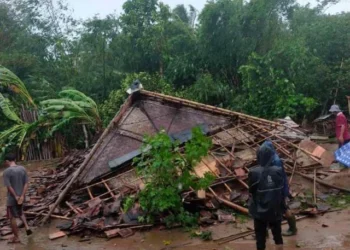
[[339, 201]]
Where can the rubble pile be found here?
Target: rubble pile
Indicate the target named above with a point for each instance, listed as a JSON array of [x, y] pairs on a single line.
[[95, 202]]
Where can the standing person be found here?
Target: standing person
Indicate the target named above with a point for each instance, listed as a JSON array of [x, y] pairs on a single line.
[[292, 230], [266, 204], [16, 181], [341, 126]]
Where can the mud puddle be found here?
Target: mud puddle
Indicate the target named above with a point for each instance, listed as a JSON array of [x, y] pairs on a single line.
[[331, 231]]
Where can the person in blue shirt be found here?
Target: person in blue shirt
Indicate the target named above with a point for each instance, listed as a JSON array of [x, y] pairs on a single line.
[[289, 216]]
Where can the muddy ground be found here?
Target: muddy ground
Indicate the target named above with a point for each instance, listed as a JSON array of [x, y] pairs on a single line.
[[331, 231]]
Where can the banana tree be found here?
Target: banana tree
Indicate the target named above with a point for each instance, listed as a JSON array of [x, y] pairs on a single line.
[[12, 83], [20, 133], [72, 107]]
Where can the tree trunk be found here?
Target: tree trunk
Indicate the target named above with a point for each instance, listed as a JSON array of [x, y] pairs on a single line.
[[86, 136]]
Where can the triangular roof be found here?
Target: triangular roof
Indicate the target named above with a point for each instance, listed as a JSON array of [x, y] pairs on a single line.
[[147, 112]]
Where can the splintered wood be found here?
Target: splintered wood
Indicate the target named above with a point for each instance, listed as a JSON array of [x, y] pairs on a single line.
[[99, 205], [319, 154], [206, 165]]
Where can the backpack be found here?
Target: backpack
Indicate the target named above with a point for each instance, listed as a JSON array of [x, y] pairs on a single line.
[[269, 194]]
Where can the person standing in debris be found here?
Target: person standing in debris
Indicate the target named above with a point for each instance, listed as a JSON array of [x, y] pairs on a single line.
[[266, 203], [292, 230], [16, 181], [341, 126]]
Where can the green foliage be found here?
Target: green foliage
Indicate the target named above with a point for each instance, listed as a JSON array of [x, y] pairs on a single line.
[[242, 218], [207, 90], [269, 93], [186, 219], [128, 203], [73, 106], [169, 172], [13, 84], [270, 58], [339, 201], [8, 110]]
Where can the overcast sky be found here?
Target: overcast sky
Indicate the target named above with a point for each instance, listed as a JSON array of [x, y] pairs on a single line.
[[88, 8]]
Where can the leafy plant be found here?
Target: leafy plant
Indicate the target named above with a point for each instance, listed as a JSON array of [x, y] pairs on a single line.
[[10, 81], [128, 203], [168, 170]]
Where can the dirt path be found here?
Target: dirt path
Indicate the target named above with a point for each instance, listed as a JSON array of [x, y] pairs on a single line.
[[331, 231]]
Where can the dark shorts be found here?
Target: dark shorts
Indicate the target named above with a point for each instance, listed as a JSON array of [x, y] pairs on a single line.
[[14, 211]]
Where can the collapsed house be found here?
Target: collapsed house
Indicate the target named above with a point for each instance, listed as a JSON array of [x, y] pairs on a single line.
[[88, 187]]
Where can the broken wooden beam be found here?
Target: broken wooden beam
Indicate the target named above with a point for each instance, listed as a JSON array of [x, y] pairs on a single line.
[[52, 215], [229, 203]]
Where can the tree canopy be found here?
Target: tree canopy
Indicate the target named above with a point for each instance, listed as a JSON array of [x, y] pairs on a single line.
[[269, 58]]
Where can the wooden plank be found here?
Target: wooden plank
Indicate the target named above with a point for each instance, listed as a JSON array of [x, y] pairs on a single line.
[[112, 233], [207, 164], [57, 235]]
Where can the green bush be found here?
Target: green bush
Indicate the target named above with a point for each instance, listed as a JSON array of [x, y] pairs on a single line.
[[168, 171]]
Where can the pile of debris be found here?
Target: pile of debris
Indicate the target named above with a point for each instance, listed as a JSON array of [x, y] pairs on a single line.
[[103, 178], [45, 186]]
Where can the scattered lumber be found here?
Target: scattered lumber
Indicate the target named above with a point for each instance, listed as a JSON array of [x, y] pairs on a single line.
[[97, 206]]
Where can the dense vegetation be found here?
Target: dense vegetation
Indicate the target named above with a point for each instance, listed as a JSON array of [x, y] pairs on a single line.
[[269, 58]]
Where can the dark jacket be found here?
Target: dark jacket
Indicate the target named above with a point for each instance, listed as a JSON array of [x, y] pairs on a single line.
[[266, 184], [278, 163]]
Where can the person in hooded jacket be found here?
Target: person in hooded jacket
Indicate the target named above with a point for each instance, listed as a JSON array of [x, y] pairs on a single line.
[[292, 230], [267, 203]]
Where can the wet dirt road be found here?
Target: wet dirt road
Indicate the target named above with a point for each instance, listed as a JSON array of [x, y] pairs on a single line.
[[331, 231]]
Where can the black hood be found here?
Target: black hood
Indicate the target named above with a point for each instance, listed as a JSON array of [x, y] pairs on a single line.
[[265, 156]]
